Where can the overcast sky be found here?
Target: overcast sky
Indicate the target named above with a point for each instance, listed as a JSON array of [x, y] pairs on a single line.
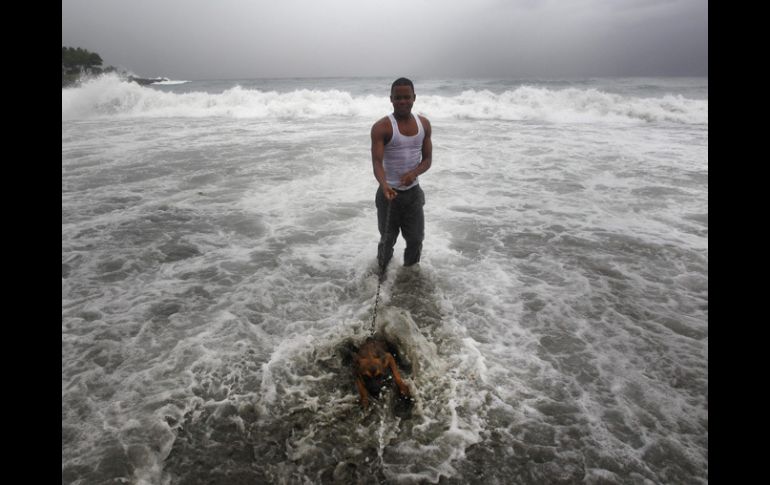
[[231, 39]]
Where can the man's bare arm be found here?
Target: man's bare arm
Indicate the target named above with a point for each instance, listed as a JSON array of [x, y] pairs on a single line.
[[378, 152]]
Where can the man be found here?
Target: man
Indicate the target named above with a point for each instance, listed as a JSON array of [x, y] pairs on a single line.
[[401, 151]]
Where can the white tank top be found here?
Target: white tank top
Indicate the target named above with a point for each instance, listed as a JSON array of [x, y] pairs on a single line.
[[402, 154]]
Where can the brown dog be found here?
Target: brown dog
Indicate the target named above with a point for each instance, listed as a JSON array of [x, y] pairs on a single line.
[[371, 364]]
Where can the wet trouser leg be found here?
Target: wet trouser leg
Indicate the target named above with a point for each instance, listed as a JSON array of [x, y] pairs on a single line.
[[389, 234], [413, 224], [406, 215]]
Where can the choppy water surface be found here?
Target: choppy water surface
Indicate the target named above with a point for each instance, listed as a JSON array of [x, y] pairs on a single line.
[[218, 258]]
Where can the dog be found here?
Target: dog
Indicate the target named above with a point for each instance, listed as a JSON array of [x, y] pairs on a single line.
[[373, 365]]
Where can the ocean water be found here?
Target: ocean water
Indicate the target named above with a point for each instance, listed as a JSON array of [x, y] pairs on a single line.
[[218, 263]]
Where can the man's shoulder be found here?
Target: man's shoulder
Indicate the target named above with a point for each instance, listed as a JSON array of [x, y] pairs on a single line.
[[384, 121], [382, 126], [425, 123]]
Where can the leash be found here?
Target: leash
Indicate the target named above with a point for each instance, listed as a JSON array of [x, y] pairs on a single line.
[[382, 269]]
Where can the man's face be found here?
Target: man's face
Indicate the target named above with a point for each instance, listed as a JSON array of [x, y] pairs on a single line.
[[402, 98]]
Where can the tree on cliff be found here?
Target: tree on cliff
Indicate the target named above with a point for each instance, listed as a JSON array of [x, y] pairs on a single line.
[[76, 61]]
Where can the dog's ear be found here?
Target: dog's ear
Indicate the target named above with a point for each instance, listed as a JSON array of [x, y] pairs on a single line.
[[346, 351], [392, 349], [401, 362]]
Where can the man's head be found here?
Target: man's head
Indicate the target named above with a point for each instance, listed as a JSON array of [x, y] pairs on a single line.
[[402, 96]]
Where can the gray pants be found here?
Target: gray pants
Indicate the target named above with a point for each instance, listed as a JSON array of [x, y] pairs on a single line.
[[405, 215]]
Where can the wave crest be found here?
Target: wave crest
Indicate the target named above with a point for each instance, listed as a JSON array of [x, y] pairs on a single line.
[[110, 96]]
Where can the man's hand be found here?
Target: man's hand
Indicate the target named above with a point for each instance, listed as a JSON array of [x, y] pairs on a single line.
[[390, 194], [408, 178]]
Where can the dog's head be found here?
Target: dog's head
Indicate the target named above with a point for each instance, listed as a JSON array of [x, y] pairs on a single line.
[[371, 365], [371, 361]]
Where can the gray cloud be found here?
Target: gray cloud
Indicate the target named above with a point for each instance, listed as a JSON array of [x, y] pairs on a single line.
[[198, 39]]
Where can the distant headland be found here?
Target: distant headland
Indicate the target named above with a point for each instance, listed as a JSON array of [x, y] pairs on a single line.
[[78, 64]]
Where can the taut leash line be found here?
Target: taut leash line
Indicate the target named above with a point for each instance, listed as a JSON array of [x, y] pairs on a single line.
[[382, 268]]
